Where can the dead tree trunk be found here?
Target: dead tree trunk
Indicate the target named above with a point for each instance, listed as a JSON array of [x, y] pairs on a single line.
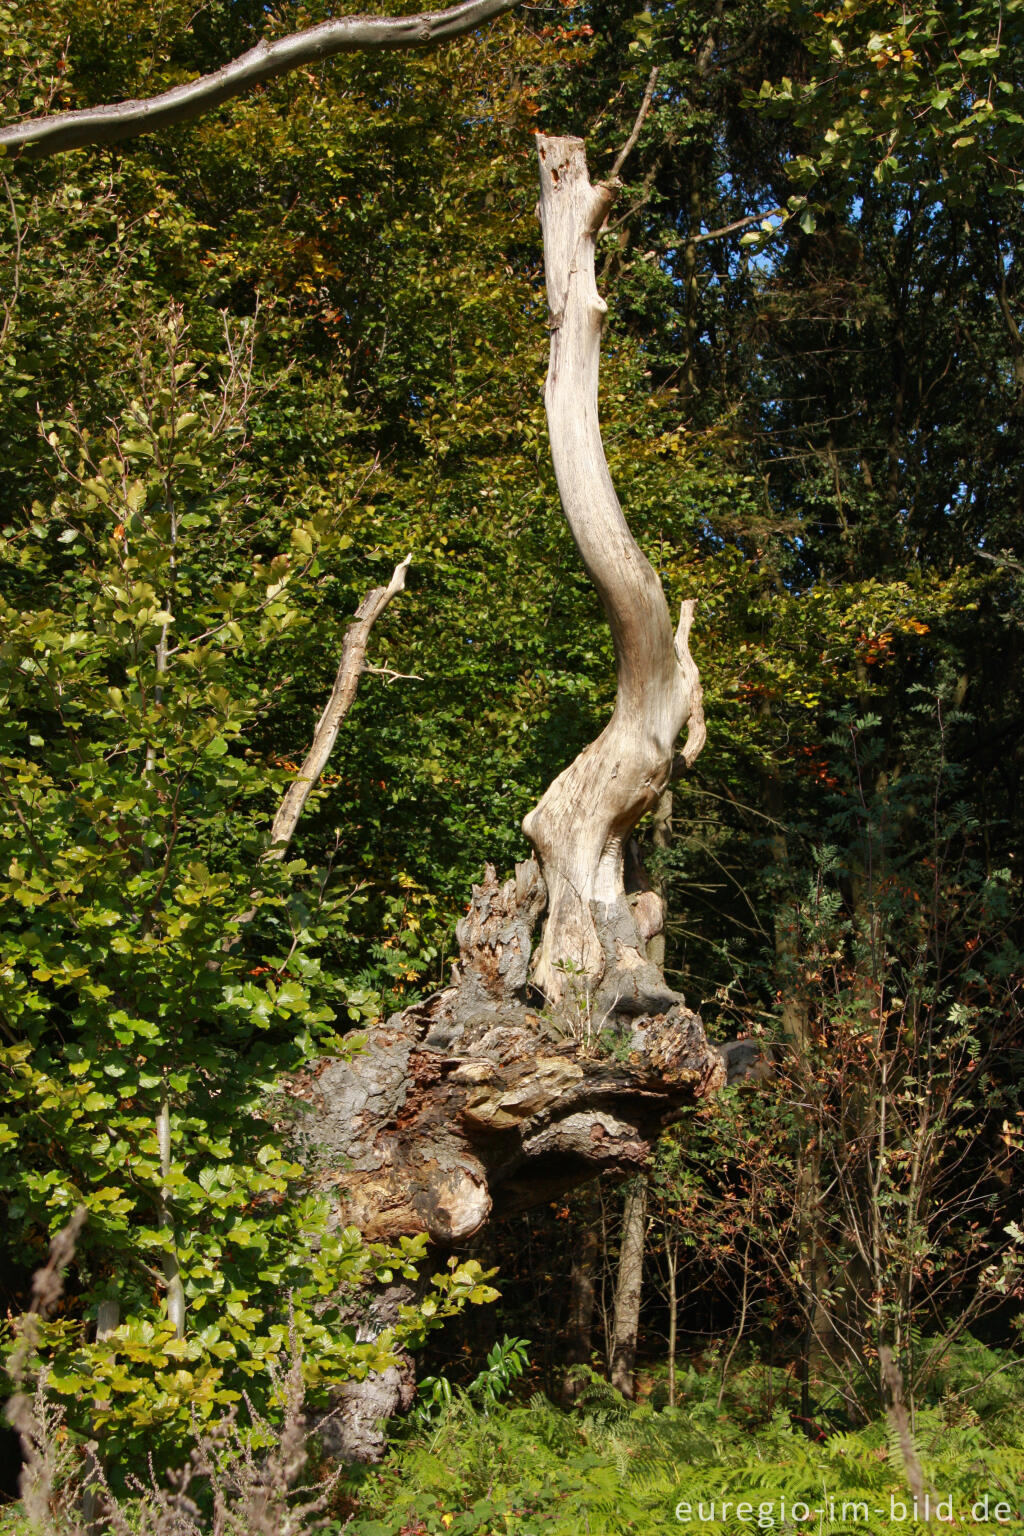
[[499, 1092], [496, 1093], [580, 827]]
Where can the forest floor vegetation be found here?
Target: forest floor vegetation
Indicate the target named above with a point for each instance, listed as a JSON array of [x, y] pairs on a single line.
[[614, 1467], [470, 1466]]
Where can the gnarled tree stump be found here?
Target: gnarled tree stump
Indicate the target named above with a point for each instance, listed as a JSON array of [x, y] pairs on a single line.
[[481, 1100]]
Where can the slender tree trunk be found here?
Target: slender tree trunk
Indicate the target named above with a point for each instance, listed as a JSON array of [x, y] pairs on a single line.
[[741, 1324], [583, 1292], [175, 1298], [580, 826], [175, 1293], [107, 1319], [629, 1288], [818, 1335], [672, 1263]]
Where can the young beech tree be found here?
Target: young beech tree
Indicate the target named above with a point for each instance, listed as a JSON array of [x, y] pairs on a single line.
[[530, 1073]]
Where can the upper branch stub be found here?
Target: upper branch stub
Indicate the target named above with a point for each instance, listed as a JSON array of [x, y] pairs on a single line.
[[572, 211]]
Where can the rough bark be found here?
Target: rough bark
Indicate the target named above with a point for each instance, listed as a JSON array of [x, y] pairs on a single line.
[[354, 1430], [579, 829], [629, 1289], [475, 1101], [579, 1340], [39, 137]]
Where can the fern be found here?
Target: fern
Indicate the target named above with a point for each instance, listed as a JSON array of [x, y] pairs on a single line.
[[614, 1469]]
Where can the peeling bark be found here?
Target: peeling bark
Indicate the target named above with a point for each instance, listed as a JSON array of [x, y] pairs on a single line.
[[475, 1102]]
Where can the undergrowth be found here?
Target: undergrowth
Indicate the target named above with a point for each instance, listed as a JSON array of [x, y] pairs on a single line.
[[470, 1465], [612, 1468]]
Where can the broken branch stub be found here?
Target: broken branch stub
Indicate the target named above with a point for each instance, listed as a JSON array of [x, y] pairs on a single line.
[[580, 827], [346, 683]]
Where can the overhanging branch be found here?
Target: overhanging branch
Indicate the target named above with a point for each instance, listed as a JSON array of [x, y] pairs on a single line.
[[43, 136]]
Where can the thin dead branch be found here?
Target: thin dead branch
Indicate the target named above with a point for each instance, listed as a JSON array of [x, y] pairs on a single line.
[[630, 144], [737, 224], [350, 669]]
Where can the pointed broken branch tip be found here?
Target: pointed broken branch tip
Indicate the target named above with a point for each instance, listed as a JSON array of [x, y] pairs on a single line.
[[350, 669]]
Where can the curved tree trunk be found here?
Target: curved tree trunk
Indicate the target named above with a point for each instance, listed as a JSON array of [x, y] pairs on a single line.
[[476, 1100], [580, 827], [499, 1092]]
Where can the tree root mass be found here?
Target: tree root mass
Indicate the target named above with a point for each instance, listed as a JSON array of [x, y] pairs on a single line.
[[479, 1100]]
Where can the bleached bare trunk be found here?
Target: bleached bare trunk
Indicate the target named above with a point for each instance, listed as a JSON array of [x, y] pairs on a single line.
[[475, 1102], [580, 826]]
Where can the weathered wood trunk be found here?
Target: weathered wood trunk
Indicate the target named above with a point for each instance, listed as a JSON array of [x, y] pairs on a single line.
[[533, 1073], [477, 1101], [579, 829]]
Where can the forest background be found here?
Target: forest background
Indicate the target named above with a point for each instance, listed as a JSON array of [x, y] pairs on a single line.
[[247, 365]]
